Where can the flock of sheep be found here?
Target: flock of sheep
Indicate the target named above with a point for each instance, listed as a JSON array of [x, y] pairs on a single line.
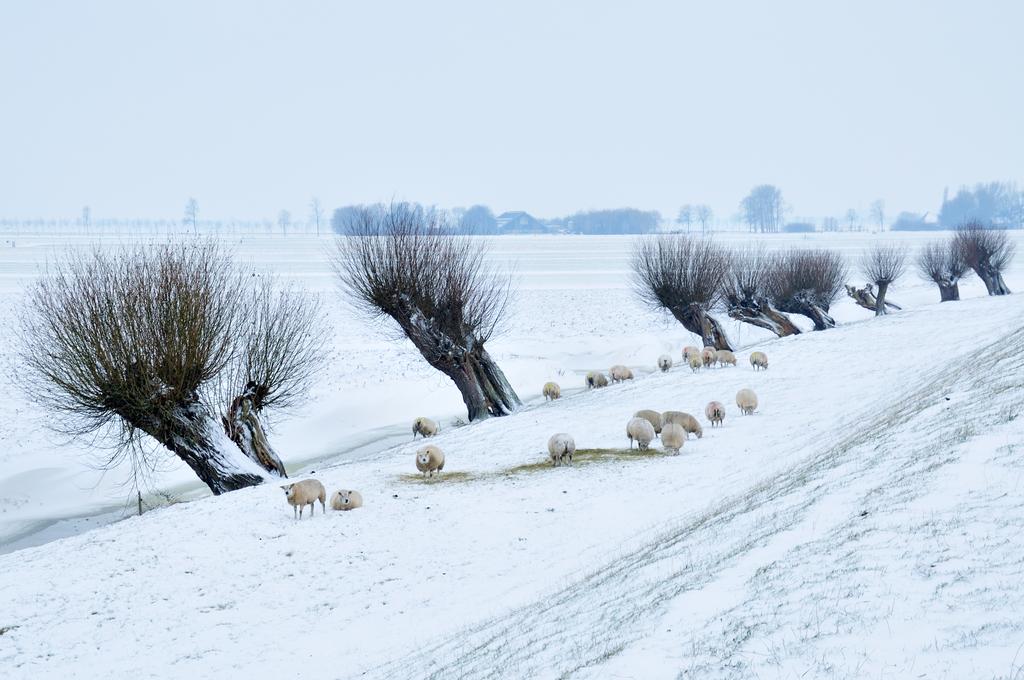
[[673, 427]]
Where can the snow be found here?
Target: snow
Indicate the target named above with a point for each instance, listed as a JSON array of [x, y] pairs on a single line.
[[864, 522]]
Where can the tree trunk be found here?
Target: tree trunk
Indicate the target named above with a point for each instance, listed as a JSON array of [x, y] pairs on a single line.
[[192, 433], [758, 312], [865, 297], [696, 320], [242, 425], [485, 390], [993, 279], [948, 291], [805, 305]]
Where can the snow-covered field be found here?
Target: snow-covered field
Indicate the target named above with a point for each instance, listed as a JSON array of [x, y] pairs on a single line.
[[866, 522]]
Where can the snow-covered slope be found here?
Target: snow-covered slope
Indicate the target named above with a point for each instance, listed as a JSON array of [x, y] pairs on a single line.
[[865, 522]]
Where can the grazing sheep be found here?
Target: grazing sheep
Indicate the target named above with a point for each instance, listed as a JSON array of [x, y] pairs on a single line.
[[664, 363], [306, 492], [424, 427], [561, 448], [653, 417], [346, 500], [620, 373], [689, 351], [710, 356], [715, 412], [746, 400], [552, 391], [724, 356], [672, 438], [683, 420], [759, 360], [640, 430], [430, 460], [596, 379], [696, 362]]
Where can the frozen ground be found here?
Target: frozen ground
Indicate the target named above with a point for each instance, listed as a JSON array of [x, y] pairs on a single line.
[[865, 522]]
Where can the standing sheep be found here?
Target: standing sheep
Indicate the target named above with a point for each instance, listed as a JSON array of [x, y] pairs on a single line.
[[689, 351], [759, 360], [664, 363], [561, 448], [425, 427], [306, 492], [551, 391], [346, 500], [672, 438], [696, 362], [596, 379], [653, 417], [715, 412], [683, 420], [746, 400], [640, 430], [724, 356], [620, 373], [430, 460], [710, 356]]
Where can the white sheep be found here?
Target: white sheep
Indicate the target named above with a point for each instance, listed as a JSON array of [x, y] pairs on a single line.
[[596, 379], [709, 356], [561, 448], [306, 492], [551, 391], [696, 362], [746, 400], [759, 360], [653, 417], [724, 356], [425, 427], [620, 373], [689, 351], [640, 430], [683, 420], [715, 412], [664, 363], [430, 460], [672, 438], [346, 500]]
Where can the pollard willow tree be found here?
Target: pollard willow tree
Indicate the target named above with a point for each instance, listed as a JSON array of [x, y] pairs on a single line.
[[807, 282], [685, 276], [403, 261], [747, 294], [942, 263], [881, 264], [988, 252], [172, 344]]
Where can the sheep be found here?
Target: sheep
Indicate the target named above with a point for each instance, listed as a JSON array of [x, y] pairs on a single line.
[[664, 363], [685, 421], [696, 362], [561, 448], [672, 438], [715, 412], [724, 356], [746, 400], [689, 351], [620, 373], [306, 492], [551, 391], [346, 500], [710, 356], [596, 379], [425, 427], [430, 460], [653, 417], [759, 360], [640, 430]]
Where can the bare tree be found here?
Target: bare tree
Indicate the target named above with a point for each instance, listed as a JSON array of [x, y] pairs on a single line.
[[830, 224], [684, 275], [192, 214], [704, 216], [402, 261], [878, 213], [316, 213], [763, 208], [746, 292], [881, 265], [147, 342], [942, 262], [284, 220], [685, 217], [807, 282], [851, 220], [987, 252]]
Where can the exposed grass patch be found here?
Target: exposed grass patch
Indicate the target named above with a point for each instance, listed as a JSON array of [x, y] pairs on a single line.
[[443, 478]]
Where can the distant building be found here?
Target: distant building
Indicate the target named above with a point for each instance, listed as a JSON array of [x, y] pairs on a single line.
[[519, 222]]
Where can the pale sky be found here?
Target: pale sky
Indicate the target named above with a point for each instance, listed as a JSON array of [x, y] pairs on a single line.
[[550, 107]]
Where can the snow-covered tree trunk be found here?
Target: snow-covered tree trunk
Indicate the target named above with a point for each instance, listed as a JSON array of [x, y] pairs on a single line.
[[805, 305], [242, 425], [758, 312], [866, 298], [696, 320], [949, 290], [992, 278]]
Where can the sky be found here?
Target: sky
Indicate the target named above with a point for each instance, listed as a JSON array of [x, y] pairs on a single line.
[[549, 107]]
